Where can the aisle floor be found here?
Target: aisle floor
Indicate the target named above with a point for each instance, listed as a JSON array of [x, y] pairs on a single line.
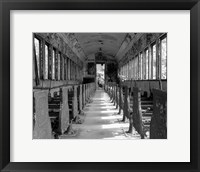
[[101, 121]]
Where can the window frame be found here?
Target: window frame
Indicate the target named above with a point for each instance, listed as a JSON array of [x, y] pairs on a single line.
[[162, 37]]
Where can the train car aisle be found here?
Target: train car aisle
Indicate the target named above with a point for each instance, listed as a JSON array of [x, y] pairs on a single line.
[[101, 121]]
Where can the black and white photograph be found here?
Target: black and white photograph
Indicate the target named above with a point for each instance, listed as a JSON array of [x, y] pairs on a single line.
[[99, 85]]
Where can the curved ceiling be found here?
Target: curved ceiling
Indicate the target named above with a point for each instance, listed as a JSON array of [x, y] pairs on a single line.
[[108, 43]]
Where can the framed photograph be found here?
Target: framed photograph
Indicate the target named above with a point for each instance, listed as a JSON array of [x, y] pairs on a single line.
[[99, 85]]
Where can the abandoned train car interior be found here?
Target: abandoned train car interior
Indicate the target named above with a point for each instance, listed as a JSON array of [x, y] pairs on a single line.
[[100, 85]]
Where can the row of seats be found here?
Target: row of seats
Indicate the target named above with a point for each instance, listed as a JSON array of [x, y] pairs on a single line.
[[147, 113], [56, 109]]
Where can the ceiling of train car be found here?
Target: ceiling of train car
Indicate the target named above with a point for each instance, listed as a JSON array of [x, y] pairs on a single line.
[[111, 45], [108, 43]]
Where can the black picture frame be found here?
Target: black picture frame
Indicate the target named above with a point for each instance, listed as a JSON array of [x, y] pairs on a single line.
[[7, 5]]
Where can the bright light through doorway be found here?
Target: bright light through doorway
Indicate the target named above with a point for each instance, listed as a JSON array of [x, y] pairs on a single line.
[[100, 75]]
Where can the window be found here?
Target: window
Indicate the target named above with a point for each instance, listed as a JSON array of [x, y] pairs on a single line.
[[61, 66], [129, 67], [53, 64], [69, 63], [75, 71], [144, 66], [164, 58], [65, 68], [132, 72], [123, 70], [37, 54], [133, 61], [136, 67], [71, 70], [50, 63], [150, 63], [56, 65], [58, 69], [141, 62], [46, 61], [139, 67], [126, 70], [154, 61], [147, 63]]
